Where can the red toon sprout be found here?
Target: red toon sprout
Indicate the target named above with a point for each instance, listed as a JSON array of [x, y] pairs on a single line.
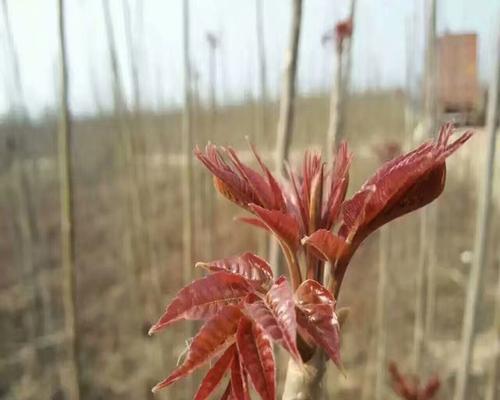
[[245, 309]]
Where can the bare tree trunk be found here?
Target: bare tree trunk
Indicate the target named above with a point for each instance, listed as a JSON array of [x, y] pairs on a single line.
[[133, 54], [139, 157], [135, 255], [287, 106], [481, 237], [197, 191], [381, 367], [187, 172], [336, 103], [409, 78], [187, 148], [129, 185], [347, 79], [20, 104], [339, 90], [301, 383], [213, 43], [430, 78], [145, 194], [419, 325], [262, 115], [432, 259], [426, 280], [25, 213], [287, 101], [492, 388], [369, 370], [261, 56], [73, 378], [431, 110]]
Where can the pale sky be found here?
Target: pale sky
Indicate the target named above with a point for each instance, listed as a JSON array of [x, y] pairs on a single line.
[[383, 31]]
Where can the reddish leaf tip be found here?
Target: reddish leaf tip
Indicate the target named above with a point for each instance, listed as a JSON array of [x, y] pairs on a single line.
[[157, 387], [152, 330]]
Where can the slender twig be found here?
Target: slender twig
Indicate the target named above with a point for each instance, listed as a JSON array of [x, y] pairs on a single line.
[[481, 238], [67, 218]]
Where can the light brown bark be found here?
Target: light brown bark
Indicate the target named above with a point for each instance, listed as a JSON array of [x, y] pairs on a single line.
[[336, 107], [426, 277], [138, 167], [430, 125], [338, 96], [493, 386], [262, 123], [419, 323], [286, 112], [213, 43], [73, 378], [187, 148], [481, 236], [380, 365], [261, 56], [131, 211], [187, 171], [23, 201], [287, 100]]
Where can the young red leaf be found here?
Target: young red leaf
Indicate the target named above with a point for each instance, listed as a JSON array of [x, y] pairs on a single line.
[[405, 184], [226, 179], [279, 201], [326, 245], [301, 191], [258, 183], [317, 316], [266, 187], [316, 201], [256, 352], [215, 374], [239, 384], [312, 180], [297, 202], [240, 183], [354, 212], [339, 181], [203, 298], [283, 225], [251, 267], [276, 315], [213, 337], [253, 221]]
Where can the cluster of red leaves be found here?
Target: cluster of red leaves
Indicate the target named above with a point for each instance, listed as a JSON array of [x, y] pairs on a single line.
[[409, 388], [245, 310]]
